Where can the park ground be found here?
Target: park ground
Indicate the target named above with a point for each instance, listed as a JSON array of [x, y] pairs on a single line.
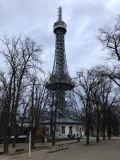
[[107, 150]]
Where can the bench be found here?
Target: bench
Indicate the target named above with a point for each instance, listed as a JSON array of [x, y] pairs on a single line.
[[64, 146], [19, 150], [59, 147], [53, 149]]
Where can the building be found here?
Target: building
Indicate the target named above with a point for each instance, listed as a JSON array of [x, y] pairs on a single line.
[[66, 128]]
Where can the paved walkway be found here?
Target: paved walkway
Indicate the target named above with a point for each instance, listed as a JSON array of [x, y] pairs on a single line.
[[25, 146], [108, 150]]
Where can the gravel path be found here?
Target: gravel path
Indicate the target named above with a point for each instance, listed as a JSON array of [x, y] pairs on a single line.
[[108, 150]]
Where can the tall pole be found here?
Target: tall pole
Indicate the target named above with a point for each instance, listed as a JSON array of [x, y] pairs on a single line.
[[30, 144]]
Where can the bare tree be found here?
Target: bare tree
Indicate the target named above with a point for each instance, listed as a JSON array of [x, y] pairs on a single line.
[[38, 97], [110, 39], [96, 92], [6, 110], [85, 83], [23, 58], [104, 98], [114, 99]]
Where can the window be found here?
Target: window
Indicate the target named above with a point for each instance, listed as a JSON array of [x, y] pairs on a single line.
[[70, 130], [63, 130]]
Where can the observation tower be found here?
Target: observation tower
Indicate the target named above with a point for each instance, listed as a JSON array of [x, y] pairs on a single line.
[[59, 79]]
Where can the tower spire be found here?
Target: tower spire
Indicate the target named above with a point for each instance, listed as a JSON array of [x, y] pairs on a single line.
[[60, 13]]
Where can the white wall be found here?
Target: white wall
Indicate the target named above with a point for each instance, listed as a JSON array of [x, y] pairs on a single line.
[[75, 130]]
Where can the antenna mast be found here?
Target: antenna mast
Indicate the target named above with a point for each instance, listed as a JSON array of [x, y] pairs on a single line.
[[60, 13]]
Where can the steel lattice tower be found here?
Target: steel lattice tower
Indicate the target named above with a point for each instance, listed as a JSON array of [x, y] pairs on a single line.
[[60, 79], [60, 83]]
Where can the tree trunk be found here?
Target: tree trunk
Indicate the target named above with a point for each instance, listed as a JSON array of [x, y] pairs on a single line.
[[14, 133], [14, 140], [104, 123], [53, 142], [87, 131], [6, 143], [6, 146], [87, 138], [103, 129], [53, 138], [33, 138], [109, 134], [98, 126], [97, 136], [7, 133], [51, 126], [109, 127]]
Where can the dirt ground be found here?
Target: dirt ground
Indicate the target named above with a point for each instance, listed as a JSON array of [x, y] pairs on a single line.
[[108, 150]]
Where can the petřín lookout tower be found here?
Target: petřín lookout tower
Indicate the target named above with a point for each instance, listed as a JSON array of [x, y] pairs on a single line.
[[60, 79], [61, 100]]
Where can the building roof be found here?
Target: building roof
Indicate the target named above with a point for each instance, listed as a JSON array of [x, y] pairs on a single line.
[[62, 121]]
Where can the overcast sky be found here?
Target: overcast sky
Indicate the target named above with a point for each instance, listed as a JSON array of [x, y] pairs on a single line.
[[35, 18]]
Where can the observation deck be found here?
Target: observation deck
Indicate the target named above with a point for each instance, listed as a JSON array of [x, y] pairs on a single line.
[[60, 83], [60, 25]]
